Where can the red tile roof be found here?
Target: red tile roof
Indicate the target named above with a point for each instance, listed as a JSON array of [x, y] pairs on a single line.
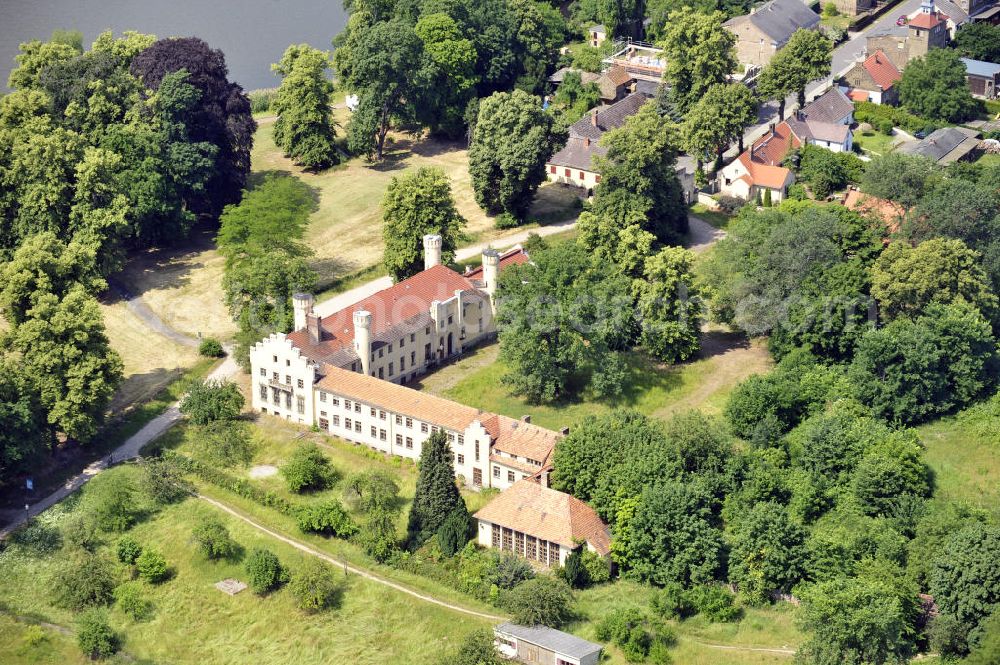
[[882, 71], [858, 95], [926, 21], [771, 148], [547, 514], [512, 257], [400, 302]]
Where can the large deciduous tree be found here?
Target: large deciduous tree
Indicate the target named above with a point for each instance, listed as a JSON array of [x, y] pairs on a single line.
[[807, 56], [452, 59], [669, 305], [934, 86], [416, 204], [221, 117], [304, 128], [622, 18], [699, 53], [719, 116], [979, 41], [767, 551], [511, 142], [561, 317]]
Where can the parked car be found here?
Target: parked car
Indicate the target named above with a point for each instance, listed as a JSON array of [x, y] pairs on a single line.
[[921, 134], [902, 20]]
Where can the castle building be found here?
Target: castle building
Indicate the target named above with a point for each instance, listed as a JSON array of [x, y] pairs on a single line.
[[343, 373]]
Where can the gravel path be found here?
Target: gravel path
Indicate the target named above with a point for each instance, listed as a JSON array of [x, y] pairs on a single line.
[[299, 545], [138, 306], [128, 450]]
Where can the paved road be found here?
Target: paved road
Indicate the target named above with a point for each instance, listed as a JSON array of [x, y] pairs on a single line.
[[844, 56], [128, 450]]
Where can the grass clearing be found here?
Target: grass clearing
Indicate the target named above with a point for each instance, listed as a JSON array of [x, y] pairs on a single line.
[[28, 642], [195, 623], [965, 457], [762, 628], [875, 143], [654, 389], [346, 230], [716, 218]]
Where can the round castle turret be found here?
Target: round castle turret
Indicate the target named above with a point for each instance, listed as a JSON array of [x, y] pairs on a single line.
[[432, 250], [363, 339], [302, 304]]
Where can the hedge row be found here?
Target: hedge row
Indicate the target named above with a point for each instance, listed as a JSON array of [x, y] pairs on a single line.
[[882, 115], [328, 518]]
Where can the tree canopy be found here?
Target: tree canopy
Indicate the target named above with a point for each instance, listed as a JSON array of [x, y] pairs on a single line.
[[933, 86]]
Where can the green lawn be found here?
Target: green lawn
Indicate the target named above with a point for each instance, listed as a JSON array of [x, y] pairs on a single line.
[[716, 218], [765, 628], [195, 623], [27, 642], [874, 143], [964, 452], [652, 388]]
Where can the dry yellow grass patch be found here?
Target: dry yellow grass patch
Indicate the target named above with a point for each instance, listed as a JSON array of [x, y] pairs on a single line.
[[184, 287], [151, 360], [346, 230]]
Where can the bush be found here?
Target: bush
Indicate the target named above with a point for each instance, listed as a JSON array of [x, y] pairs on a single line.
[[152, 566], [308, 469], [573, 571], [730, 204], [830, 10], [211, 348], [225, 443], [111, 498], [130, 600], [37, 538], [128, 550], [163, 481], [714, 602], [637, 637], [507, 571], [542, 601], [212, 400], [85, 582], [264, 571], [212, 538], [671, 602], [328, 517], [95, 637], [81, 531], [506, 220], [454, 533], [314, 586], [878, 114], [598, 568]]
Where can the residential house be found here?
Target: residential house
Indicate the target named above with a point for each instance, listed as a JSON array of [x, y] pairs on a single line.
[[824, 122], [614, 84], [983, 78], [872, 79], [596, 35], [945, 145], [575, 165], [560, 74], [544, 645], [541, 524], [765, 30], [927, 30], [642, 61]]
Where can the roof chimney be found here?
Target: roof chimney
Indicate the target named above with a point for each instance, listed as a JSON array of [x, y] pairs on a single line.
[[312, 325], [586, 142], [593, 118]]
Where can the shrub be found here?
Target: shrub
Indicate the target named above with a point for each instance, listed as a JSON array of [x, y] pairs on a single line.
[[130, 600], [81, 531], [308, 469], [212, 400], [730, 204], [111, 498], [454, 533], [328, 517], [225, 443], [598, 568], [128, 550], [830, 9], [541, 601], [212, 538], [877, 114], [85, 582], [671, 602], [211, 348], [264, 571], [714, 602], [261, 100], [573, 571], [163, 481], [95, 637], [152, 566], [314, 586], [37, 538], [507, 571], [637, 637]]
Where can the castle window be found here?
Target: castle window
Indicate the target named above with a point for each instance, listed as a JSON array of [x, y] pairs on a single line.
[[288, 400], [301, 384], [373, 432], [399, 439], [423, 427], [336, 421], [413, 357], [496, 472], [263, 391], [300, 404], [274, 358], [381, 352], [263, 372], [399, 419], [461, 459], [322, 397], [510, 476], [427, 330], [409, 422], [450, 319], [477, 451], [390, 369], [402, 363], [347, 404], [288, 363], [461, 440], [357, 407], [357, 426], [373, 412], [413, 337], [381, 435], [409, 443], [335, 401], [288, 379], [381, 374], [381, 415], [401, 342], [347, 423], [390, 348], [451, 438]]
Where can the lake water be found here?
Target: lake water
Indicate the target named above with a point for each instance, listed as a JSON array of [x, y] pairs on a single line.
[[252, 33]]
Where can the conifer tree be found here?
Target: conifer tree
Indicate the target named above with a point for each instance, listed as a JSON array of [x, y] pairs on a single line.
[[436, 495]]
